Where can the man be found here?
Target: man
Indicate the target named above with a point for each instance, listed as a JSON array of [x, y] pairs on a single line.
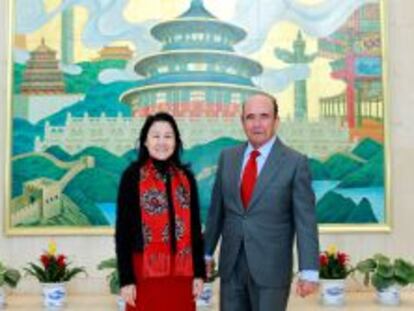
[[262, 198]]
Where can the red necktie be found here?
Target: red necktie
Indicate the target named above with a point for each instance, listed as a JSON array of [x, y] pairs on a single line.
[[249, 178]]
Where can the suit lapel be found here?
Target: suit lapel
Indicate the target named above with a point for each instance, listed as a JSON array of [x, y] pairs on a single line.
[[271, 167], [237, 162]]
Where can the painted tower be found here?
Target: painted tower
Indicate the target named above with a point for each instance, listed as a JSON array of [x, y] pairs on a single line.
[[67, 34], [297, 57]]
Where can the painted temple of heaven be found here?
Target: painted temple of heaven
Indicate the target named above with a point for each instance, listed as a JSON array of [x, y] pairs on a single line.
[[197, 73]]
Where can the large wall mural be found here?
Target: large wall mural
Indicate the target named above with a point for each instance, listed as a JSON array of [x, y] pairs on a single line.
[[85, 74]]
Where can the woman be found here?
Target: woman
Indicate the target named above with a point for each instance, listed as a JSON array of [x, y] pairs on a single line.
[[158, 237]]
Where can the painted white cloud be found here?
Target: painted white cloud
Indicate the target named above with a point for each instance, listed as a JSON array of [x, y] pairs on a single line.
[[31, 14], [113, 75], [20, 56], [275, 81], [319, 20], [71, 69], [106, 22]]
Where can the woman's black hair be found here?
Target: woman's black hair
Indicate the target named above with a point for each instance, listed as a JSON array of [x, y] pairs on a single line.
[[143, 154]]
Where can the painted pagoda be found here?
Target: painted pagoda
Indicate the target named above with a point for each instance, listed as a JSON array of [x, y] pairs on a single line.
[[42, 75]]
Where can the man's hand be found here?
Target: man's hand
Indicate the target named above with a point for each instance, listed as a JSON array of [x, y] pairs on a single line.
[[129, 294], [306, 288]]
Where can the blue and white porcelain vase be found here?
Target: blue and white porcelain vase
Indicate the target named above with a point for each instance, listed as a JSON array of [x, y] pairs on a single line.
[[2, 297], [206, 296], [120, 303], [333, 292], [54, 295], [389, 296]]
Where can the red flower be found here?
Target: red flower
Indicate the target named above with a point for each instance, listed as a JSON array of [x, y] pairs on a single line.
[[323, 259], [342, 258], [61, 261], [45, 260]]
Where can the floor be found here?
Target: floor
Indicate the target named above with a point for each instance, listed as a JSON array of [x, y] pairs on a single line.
[[355, 302]]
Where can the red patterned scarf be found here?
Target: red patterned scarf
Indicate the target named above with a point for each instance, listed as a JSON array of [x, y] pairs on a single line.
[[158, 260]]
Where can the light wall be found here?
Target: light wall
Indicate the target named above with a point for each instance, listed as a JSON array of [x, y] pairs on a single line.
[[89, 250]]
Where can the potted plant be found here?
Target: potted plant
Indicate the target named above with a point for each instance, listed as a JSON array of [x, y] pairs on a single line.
[[387, 276], [8, 277], [334, 269], [113, 279], [206, 296], [53, 273]]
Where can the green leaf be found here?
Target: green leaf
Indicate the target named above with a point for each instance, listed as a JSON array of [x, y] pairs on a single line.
[[380, 282], [402, 281], [382, 259], [55, 273], [12, 277], [366, 279], [385, 270], [2, 268], [37, 271], [114, 283], [404, 272], [113, 277], [108, 264], [73, 272], [366, 266]]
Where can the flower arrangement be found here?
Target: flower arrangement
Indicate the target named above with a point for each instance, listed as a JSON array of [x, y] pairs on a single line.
[[334, 264], [53, 267]]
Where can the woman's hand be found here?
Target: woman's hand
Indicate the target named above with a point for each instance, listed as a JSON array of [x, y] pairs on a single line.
[[197, 287], [129, 294]]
